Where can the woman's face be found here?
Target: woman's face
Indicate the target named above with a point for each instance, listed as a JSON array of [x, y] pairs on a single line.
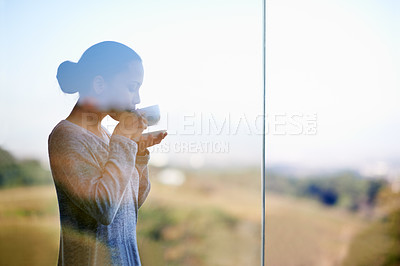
[[122, 91]]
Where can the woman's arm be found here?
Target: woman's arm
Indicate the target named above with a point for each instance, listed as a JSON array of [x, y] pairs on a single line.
[[97, 191], [144, 181], [142, 160]]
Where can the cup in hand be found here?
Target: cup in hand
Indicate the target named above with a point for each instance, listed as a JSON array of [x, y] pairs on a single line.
[[152, 114]]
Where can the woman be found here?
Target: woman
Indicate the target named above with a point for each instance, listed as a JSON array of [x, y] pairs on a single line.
[[101, 179]]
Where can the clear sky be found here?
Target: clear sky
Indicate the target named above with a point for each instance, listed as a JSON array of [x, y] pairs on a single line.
[[335, 63]]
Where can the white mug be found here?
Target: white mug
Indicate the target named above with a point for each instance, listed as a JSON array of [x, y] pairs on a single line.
[[152, 114]]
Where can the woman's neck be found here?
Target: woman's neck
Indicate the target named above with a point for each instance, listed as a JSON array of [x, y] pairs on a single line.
[[86, 116]]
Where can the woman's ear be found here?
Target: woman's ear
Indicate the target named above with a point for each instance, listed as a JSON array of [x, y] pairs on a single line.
[[99, 84]]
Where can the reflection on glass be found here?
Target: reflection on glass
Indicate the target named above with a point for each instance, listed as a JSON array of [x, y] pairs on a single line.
[[333, 176], [102, 179]]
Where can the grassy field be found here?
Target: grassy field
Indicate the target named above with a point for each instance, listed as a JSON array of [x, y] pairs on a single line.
[[379, 242], [29, 227], [212, 219]]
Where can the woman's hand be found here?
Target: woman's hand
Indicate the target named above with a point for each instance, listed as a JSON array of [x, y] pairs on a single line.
[[149, 140], [131, 125]]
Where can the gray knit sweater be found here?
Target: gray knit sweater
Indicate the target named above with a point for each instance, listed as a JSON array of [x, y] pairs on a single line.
[[100, 187]]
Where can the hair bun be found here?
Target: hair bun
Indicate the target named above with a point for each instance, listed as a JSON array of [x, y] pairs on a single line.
[[67, 76]]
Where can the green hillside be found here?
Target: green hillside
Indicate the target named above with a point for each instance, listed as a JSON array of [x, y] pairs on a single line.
[[27, 172]]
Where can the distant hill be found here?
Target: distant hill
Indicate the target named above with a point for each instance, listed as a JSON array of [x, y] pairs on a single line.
[[15, 172], [344, 188], [6, 158]]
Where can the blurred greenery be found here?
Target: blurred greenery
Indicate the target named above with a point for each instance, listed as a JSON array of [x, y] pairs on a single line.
[[180, 234], [214, 218], [345, 189], [379, 243], [15, 172]]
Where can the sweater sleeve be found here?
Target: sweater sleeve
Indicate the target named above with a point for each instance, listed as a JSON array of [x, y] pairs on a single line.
[[97, 191], [144, 181], [143, 170]]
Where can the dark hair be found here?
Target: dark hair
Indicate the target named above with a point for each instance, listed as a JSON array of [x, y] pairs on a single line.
[[105, 58]]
